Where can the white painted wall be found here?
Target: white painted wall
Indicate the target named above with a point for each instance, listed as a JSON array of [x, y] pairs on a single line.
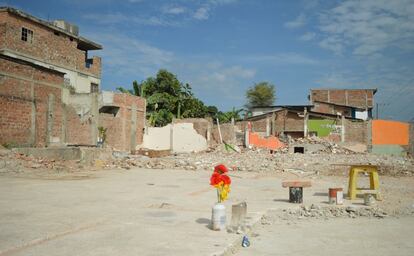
[[361, 115], [179, 138], [157, 138], [186, 139]]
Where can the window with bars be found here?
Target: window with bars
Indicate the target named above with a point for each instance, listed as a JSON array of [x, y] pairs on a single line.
[[27, 35]]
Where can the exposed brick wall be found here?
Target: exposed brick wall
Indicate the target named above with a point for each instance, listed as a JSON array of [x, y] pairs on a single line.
[[78, 129], [360, 98], [227, 133], [356, 131], [58, 48], [285, 121], [119, 126], [24, 103], [327, 108], [24, 95], [288, 122]]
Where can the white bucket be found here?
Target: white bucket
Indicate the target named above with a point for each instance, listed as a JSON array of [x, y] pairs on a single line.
[[218, 218]]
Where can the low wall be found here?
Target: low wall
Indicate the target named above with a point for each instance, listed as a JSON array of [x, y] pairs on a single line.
[[178, 137], [271, 142]]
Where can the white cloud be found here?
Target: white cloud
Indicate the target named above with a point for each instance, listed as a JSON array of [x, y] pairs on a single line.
[[215, 80], [369, 26], [296, 23], [174, 10], [283, 59], [202, 13], [124, 55], [308, 36], [117, 18]]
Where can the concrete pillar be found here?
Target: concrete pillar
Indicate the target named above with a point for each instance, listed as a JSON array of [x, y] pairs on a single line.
[[246, 137], [273, 124], [305, 122], [369, 135], [343, 128], [133, 127], [94, 118], [172, 137], [64, 123], [267, 126], [32, 116], [49, 118], [208, 135]]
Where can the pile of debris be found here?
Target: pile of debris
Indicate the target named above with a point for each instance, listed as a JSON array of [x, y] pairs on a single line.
[[328, 212], [12, 162], [324, 146]]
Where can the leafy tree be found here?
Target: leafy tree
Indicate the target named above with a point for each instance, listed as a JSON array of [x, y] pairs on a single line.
[[225, 117], [261, 94], [137, 89], [167, 98]]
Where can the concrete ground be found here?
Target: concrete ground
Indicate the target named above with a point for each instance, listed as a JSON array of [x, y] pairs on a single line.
[[140, 212], [362, 236]]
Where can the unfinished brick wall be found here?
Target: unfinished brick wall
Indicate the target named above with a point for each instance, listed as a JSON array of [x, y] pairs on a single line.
[[47, 44], [327, 108], [119, 126], [356, 131], [360, 98], [227, 133], [25, 93], [78, 129], [287, 121]]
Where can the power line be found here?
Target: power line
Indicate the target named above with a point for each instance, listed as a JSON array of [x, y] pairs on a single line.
[[399, 93]]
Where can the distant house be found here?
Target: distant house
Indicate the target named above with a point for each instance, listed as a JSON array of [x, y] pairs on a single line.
[[354, 103]]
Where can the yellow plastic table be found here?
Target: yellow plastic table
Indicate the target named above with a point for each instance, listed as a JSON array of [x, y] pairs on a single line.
[[353, 190]]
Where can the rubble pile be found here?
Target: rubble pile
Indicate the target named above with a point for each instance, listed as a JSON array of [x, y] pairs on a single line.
[[328, 212], [326, 146], [258, 160], [250, 160], [11, 162]]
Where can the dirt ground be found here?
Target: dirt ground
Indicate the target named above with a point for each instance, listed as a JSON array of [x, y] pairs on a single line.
[[342, 236], [47, 208]]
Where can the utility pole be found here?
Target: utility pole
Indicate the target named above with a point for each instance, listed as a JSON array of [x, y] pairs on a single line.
[[377, 111]]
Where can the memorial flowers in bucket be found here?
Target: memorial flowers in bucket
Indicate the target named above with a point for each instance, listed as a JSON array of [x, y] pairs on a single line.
[[221, 182]]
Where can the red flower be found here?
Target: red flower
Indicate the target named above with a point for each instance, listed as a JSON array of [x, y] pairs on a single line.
[[221, 168], [215, 179], [226, 179]]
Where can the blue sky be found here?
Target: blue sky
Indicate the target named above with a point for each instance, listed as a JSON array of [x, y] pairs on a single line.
[[222, 47]]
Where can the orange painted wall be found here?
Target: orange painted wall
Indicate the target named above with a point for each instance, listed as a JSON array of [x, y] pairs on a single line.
[[268, 143], [385, 132]]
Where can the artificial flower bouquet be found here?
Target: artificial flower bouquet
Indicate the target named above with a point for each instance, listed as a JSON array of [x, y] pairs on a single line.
[[221, 181]]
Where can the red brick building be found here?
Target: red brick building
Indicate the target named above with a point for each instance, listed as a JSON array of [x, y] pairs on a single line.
[[49, 89], [355, 103], [56, 46]]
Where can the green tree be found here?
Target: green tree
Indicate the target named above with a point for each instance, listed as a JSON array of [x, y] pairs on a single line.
[[137, 89], [261, 94], [167, 98], [225, 117]]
